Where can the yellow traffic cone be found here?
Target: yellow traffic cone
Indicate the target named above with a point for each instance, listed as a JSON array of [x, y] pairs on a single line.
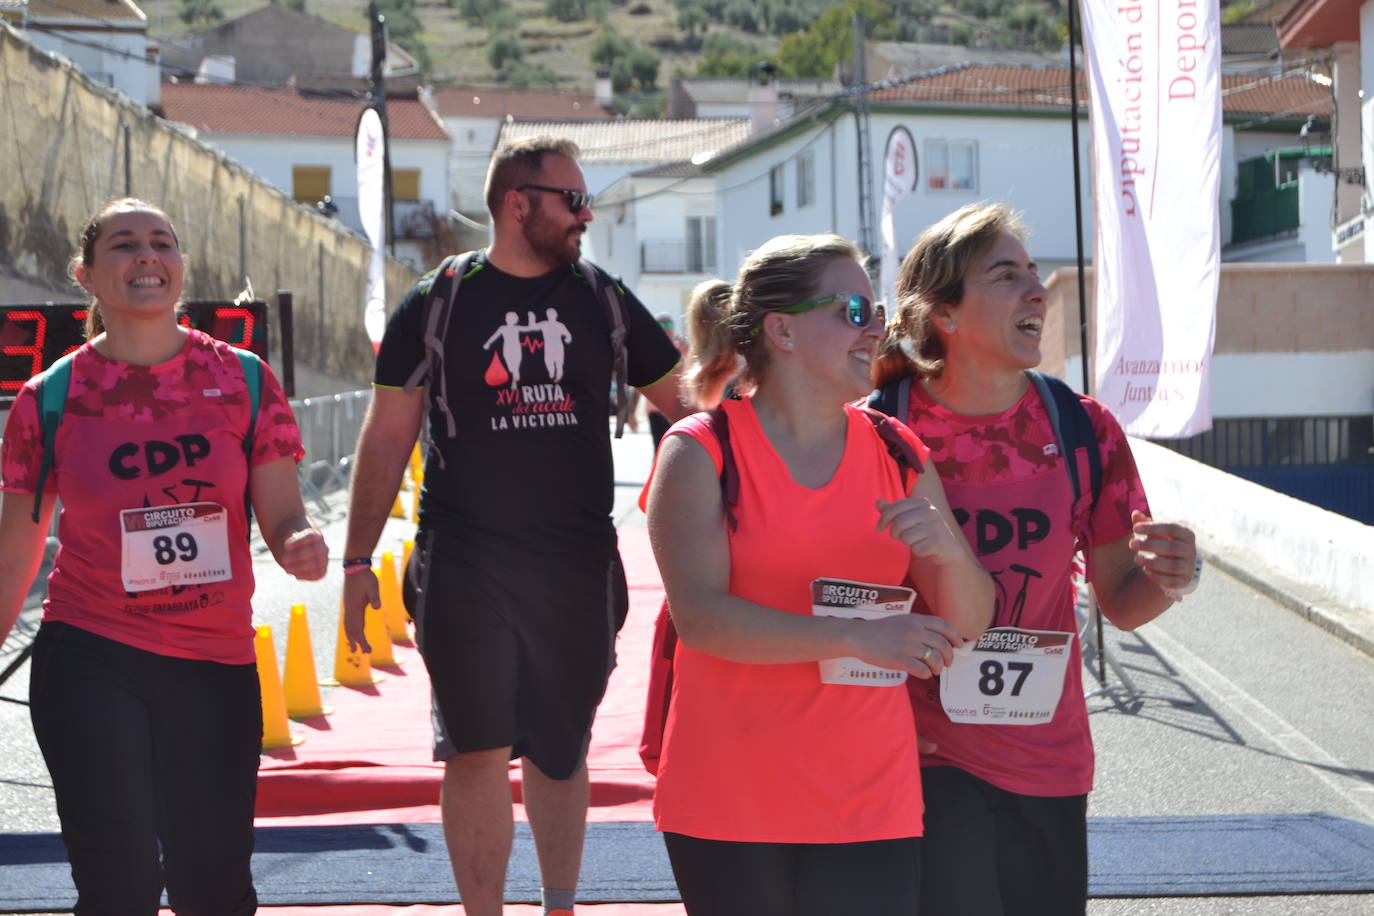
[[398, 509], [275, 730], [351, 669], [302, 687], [417, 466], [415, 503], [392, 611], [374, 628]]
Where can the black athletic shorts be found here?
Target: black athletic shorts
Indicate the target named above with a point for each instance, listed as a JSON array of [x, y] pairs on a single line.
[[518, 646]]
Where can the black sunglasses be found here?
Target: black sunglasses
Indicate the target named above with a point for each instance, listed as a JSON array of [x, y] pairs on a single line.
[[577, 200]]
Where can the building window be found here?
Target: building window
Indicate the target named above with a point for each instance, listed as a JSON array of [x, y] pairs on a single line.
[[806, 179], [701, 244], [309, 183], [405, 184], [775, 190], [952, 165]]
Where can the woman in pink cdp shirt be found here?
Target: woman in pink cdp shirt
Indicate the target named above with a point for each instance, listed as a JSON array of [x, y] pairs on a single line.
[[144, 688], [1006, 786]]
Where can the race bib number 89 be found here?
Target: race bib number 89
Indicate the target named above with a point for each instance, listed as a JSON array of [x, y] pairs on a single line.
[[186, 544], [1011, 677]]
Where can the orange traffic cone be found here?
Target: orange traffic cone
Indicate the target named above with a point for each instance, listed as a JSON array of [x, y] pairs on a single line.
[[302, 687], [275, 730], [392, 610], [351, 669]]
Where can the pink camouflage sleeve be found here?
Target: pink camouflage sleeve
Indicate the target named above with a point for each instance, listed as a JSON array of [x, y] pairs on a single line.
[[277, 434], [20, 453]]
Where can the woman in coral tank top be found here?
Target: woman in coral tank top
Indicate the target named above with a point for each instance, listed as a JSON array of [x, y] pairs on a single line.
[[784, 784]]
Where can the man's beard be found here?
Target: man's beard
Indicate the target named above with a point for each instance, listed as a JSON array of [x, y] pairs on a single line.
[[546, 241]]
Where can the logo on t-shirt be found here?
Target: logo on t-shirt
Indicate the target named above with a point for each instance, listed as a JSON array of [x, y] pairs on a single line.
[[526, 370]]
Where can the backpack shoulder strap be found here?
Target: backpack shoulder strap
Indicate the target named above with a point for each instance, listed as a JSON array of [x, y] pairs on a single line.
[[252, 374], [898, 446], [607, 289], [1073, 430], [434, 322], [893, 399], [719, 424], [51, 393]]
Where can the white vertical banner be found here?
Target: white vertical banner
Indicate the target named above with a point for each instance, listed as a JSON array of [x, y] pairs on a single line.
[[1155, 77], [369, 154], [899, 180]]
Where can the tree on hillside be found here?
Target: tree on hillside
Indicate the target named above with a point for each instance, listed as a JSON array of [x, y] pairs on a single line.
[[609, 46], [504, 48], [522, 74], [829, 40], [566, 10], [692, 19], [297, 5], [200, 11], [723, 54], [479, 12]]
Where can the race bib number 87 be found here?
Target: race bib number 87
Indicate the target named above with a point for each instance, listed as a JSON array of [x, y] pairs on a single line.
[[186, 544], [1011, 677]]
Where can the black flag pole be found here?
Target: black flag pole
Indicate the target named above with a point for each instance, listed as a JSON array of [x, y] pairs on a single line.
[[1082, 283]]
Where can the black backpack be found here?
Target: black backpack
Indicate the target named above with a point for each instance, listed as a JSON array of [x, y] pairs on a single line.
[[1073, 428]]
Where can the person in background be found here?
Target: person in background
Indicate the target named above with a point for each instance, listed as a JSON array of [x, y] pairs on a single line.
[[1006, 803], [784, 787], [144, 695]]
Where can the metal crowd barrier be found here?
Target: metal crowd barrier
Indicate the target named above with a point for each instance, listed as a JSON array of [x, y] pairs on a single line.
[[329, 430]]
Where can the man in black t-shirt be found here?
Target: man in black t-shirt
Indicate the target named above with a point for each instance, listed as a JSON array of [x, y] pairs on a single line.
[[515, 583]]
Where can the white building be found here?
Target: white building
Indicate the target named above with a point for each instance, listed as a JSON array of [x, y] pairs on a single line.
[[995, 132], [106, 39], [474, 117], [303, 144], [1343, 30], [655, 213]]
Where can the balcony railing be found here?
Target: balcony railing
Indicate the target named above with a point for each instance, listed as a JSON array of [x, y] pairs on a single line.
[[676, 256]]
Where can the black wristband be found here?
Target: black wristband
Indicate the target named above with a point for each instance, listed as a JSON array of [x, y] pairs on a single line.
[[357, 561]]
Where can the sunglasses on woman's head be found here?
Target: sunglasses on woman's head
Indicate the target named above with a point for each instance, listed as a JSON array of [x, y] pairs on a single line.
[[577, 200], [859, 310]]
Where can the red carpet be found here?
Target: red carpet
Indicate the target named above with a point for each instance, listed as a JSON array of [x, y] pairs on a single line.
[[369, 762], [603, 909]]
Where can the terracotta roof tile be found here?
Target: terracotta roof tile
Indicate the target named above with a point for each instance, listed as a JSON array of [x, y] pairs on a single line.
[[522, 104], [637, 141], [278, 111], [1003, 86]]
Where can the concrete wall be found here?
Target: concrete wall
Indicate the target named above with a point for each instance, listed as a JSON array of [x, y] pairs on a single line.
[[1271, 532], [1291, 340], [66, 146]]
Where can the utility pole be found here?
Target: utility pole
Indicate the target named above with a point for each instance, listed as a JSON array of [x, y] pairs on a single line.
[[860, 78], [376, 96]]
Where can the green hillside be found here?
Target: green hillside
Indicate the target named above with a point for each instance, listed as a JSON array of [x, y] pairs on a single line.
[[534, 43]]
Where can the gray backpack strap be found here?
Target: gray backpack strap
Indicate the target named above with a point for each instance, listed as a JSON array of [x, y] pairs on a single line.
[[607, 290], [438, 311]]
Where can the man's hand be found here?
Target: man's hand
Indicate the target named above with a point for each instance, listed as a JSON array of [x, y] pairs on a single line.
[[360, 592], [305, 555]]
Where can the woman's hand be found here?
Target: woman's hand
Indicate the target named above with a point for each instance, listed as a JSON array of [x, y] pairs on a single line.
[[922, 645], [304, 554], [923, 528], [1165, 552]]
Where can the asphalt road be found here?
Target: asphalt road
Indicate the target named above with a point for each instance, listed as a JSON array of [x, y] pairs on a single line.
[[1277, 719]]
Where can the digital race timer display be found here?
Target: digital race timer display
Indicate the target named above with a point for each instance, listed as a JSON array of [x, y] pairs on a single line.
[[32, 337]]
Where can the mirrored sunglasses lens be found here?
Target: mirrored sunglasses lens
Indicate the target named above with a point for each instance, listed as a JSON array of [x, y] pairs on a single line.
[[859, 311], [579, 200]]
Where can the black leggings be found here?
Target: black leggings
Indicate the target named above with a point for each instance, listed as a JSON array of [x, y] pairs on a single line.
[[148, 750], [990, 852], [721, 878]]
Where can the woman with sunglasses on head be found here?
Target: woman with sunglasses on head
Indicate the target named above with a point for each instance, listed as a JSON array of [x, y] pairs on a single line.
[[781, 788], [1006, 797], [144, 695]]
